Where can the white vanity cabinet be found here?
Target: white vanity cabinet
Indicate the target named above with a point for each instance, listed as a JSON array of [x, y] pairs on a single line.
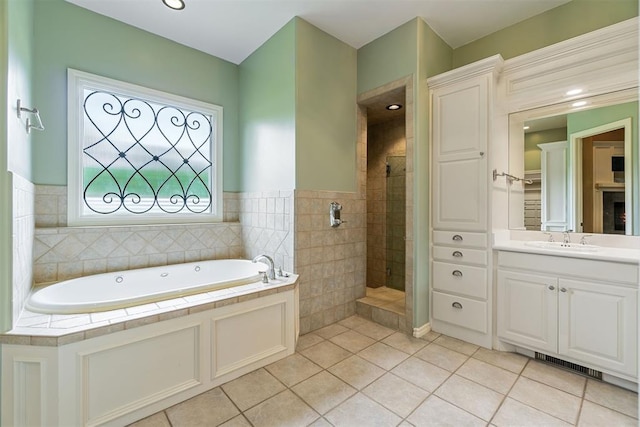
[[580, 310], [461, 124]]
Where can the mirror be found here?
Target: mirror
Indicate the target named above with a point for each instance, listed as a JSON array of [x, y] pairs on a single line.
[[580, 164]]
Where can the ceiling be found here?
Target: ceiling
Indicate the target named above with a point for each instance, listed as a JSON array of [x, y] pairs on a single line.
[[233, 29]]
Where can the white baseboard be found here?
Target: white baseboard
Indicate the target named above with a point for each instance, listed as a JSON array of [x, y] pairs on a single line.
[[422, 330]]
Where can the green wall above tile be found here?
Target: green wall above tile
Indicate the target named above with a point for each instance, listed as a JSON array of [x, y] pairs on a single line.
[[268, 108], [561, 23], [70, 36], [325, 111]]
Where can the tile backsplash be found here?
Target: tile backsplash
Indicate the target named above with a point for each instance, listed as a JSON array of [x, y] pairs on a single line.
[[267, 220], [292, 227], [23, 231], [61, 252]]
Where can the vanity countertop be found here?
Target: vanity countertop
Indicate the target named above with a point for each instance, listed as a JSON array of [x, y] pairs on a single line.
[[625, 255]]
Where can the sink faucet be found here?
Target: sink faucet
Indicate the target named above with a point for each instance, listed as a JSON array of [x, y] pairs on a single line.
[[566, 239], [272, 269]]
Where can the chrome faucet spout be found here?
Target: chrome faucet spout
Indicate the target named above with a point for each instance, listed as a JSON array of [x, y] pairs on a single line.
[[272, 269]]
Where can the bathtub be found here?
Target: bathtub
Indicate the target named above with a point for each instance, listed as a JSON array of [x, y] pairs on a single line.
[[108, 291], [114, 371]]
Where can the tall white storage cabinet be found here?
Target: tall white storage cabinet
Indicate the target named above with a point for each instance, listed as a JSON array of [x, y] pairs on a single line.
[[461, 110]]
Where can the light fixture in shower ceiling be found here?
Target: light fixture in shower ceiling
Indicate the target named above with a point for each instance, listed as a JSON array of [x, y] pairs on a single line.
[[174, 4], [394, 107]]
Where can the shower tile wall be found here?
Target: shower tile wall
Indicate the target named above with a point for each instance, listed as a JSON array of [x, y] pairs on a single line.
[[61, 252], [22, 236], [330, 261], [384, 139]]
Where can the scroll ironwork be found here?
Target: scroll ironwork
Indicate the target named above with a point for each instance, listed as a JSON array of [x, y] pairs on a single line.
[[143, 157]]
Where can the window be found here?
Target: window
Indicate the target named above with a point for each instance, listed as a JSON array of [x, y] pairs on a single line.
[[140, 156]]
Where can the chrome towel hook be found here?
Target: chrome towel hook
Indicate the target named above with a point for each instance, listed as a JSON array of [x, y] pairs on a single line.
[[34, 111]]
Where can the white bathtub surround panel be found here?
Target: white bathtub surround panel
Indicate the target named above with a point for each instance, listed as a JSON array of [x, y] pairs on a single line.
[[331, 262], [65, 253], [23, 232], [106, 380], [267, 225]]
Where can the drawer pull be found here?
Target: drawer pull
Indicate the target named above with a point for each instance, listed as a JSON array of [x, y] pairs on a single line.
[[563, 289], [457, 273], [457, 254], [457, 238], [456, 305], [552, 288]]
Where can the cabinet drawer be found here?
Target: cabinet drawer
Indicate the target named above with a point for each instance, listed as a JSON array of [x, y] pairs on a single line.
[[460, 255], [460, 311], [460, 238], [460, 279]]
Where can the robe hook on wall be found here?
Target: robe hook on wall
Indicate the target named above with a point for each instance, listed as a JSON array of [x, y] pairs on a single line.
[[510, 177], [35, 112]]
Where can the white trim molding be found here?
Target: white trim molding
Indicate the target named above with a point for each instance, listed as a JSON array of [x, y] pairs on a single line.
[[602, 61], [421, 331]]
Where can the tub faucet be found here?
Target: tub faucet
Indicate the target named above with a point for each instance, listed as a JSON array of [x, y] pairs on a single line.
[[272, 269]]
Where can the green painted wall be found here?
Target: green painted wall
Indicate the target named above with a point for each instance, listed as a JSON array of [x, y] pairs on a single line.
[[389, 57], [268, 122], [20, 66], [325, 156], [69, 36], [588, 119], [434, 57], [558, 24], [6, 246], [532, 152]]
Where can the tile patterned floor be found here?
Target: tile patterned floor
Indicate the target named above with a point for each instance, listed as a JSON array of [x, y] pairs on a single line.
[[358, 373]]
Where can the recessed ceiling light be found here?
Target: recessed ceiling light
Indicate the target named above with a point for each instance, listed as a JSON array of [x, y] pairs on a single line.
[[526, 127], [579, 104], [574, 92], [174, 4], [394, 107]]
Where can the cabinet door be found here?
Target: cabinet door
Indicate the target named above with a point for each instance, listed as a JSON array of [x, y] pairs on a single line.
[[527, 310], [460, 134], [598, 324]]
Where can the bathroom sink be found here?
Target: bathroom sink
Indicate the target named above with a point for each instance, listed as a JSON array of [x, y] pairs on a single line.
[[574, 247]]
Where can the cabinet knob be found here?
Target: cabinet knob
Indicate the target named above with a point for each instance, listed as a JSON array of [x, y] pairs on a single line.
[[457, 273], [456, 305], [552, 288], [457, 238], [457, 254], [563, 289]]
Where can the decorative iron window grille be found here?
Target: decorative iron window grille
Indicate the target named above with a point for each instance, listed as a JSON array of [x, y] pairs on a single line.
[[145, 156]]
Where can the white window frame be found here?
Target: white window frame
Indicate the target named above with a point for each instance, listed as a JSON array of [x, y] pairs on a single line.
[[77, 82]]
